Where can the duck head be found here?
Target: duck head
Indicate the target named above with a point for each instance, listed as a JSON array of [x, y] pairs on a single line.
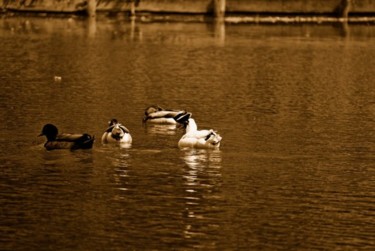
[[50, 131], [112, 122], [152, 109]]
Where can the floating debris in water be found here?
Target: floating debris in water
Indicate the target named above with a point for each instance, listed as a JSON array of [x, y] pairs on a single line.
[[57, 78]]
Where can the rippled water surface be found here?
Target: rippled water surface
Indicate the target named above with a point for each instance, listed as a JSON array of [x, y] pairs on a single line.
[[295, 106]]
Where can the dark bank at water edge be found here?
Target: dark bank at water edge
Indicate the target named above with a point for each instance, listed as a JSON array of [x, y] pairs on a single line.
[[232, 10]]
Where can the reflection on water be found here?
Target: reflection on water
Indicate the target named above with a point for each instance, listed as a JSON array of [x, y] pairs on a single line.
[[121, 171], [295, 104], [91, 30], [117, 162], [202, 182], [161, 129], [136, 31], [203, 171], [57, 158]]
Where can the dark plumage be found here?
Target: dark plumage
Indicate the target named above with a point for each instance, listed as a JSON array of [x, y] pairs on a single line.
[[183, 119], [65, 140]]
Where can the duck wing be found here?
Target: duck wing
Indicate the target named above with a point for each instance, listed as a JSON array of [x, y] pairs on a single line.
[[123, 128], [77, 141], [69, 137], [163, 114], [213, 138], [54, 145], [201, 134], [207, 135]]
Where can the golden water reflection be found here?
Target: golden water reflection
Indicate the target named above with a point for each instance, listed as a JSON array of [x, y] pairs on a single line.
[[202, 181], [156, 129], [119, 167], [139, 31]]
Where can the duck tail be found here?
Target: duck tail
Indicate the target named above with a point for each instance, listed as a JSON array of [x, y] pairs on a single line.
[[84, 142], [182, 117]]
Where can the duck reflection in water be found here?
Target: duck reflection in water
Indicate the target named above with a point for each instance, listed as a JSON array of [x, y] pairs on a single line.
[[121, 176], [158, 129], [202, 181]]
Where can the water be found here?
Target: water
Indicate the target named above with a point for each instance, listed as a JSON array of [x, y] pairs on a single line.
[[295, 105]]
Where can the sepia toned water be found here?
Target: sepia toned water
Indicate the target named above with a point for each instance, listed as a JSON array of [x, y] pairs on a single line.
[[295, 105]]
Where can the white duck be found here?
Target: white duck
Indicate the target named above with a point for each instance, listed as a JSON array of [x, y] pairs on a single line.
[[158, 115], [195, 138], [116, 133]]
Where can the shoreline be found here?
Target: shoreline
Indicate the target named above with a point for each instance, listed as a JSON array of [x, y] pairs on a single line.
[[231, 11], [230, 19]]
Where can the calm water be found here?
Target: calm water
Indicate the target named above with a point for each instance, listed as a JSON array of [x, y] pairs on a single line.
[[295, 106]]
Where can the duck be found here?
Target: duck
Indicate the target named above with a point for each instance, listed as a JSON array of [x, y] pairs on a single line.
[[65, 140], [194, 138], [158, 115], [116, 133]]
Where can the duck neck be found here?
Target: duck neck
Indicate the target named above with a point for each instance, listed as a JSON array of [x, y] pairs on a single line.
[[51, 137], [192, 126]]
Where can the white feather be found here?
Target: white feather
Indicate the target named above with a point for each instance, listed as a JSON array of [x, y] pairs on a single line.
[[195, 138], [117, 134]]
